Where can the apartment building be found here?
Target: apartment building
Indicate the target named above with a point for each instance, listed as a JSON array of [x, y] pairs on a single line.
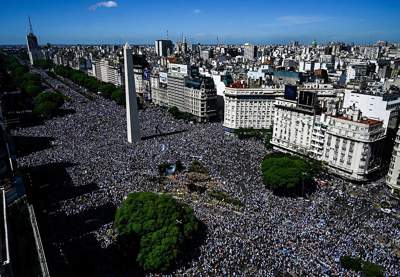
[[350, 144], [107, 71], [249, 107], [354, 145], [184, 88], [393, 176]]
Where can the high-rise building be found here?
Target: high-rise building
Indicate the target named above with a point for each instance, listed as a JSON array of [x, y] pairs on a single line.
[[206, 54], [164, 48], [108, 71], [132, 114], [183, 88], [34, 52], [250, 51]]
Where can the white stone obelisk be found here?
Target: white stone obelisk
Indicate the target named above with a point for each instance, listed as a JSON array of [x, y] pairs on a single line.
[[132, 114]]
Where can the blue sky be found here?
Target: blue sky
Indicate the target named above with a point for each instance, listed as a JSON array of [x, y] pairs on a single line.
[[233, 21]]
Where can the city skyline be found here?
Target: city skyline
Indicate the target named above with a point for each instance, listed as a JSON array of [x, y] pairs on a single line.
[[225, 138], [109, 22]]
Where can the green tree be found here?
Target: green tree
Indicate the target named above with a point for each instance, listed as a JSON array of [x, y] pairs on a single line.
[[46, 109], [31, 89], [47, 103], [287, 174], [50, 96], [43, 63], [163, 226], [267, 141], [107, 89], [351, 263], [372, 270], [118, 95]]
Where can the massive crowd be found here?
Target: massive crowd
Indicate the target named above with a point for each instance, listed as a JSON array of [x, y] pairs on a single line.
[[270, 235]]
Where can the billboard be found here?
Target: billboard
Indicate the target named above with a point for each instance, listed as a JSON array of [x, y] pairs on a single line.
[[178, 68], [290, 92], [164, 77]]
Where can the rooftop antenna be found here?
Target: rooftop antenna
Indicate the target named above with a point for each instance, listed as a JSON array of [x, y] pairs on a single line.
[[167, 34], [217, 41], [30, 25]]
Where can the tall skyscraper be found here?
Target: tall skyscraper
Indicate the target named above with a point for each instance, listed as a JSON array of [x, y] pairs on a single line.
[[33, 46], [250, 51], [132, 114], [164, 48]]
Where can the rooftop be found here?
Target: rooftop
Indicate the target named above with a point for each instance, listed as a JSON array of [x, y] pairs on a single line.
[[366, 121]]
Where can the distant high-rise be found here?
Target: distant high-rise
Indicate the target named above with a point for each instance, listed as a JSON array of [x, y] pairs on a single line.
[[250, 52], [33, 46], [132, 114], [164, 48]]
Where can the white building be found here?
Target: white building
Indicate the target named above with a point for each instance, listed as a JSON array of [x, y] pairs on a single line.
[[250, 51], [393, 177], [293, 126], [321, 123], [206, 54], [354, 145], [250, 107], [192, 94], [349, 144], [376, 105], [159, 89], [107, 71], [356, 71]]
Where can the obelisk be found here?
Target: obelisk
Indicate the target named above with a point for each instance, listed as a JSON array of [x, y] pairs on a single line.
[[132, 114]]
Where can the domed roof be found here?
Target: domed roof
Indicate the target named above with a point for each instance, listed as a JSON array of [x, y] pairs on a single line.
[[314, 43]]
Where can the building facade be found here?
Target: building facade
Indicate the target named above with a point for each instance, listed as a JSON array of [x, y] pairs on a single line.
[[393, 176], [250, 51], [351, 145], [108, 71], [164, 47], [249, 107], [293, 126], [354, 145], [378, 105], [187, 91]]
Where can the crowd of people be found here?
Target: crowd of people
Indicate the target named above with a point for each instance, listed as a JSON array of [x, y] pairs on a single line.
[[270, 235]]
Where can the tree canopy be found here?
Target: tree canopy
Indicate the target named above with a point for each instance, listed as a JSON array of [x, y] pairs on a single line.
[[287, 174], [351, 263], [176, 113], [47, 103], [163, 227], [357, 264], [118, 95], [94, 85]]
